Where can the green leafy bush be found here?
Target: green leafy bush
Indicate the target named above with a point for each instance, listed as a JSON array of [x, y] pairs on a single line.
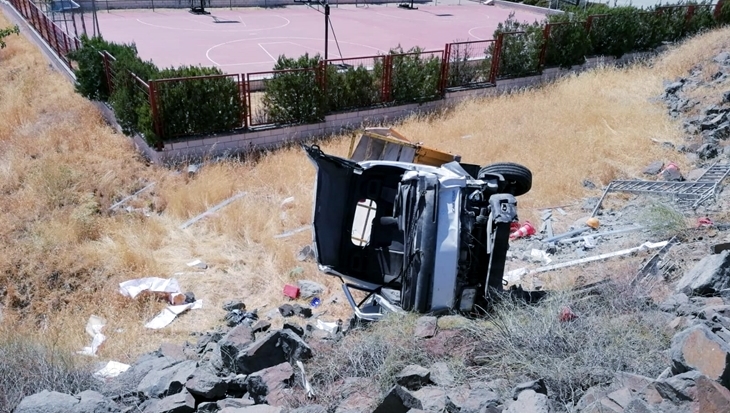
[[130, 96], [701, 20], [7, 32], [194, 106], [520, 54], [568, 42], [295, 96], [465, 70], [413, 76], [351, 88], [91, 79], [723, 16]]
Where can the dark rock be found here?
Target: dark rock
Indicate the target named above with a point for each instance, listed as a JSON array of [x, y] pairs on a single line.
[[231, 344], [261, 326], [207, 407], [722, 132], [189, 297], [309, 288], [237, 386], [672, 175], [272, 349], [236, 317], [589, 184], [47, 402], [471, 400], [182, 402], [168, 381], [536, 385], [673, 88], [426, 327], [268, 382], [205, 385], [286, 310], [236, 403], [432, 399], [296, 328], [94, 402], [639, 406], [413, 377], [697, 348], [206, 339], [306, 253], [654, 168], [357, 395], [708, 276], [686, 310], [726, 97], [398, 400], [303, 312], [231, 305], [707, 151], [673, 302], [712, 122], [723, 58], [530, 401], [136, 372]]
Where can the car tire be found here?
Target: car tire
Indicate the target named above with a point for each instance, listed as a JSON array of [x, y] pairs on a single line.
[[518, 177]]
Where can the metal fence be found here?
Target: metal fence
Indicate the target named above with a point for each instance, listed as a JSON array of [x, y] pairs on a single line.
[[54, 36], [354, 83], [469, 64], [266, 106]]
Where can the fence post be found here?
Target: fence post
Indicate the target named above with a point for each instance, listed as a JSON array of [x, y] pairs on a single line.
[[386, 86], [445, 66], [321, 74], [242, 99], [543, 49], [689, 15], [107, 72], [249, 108], [156, 121], [496, 56], [718, 9]]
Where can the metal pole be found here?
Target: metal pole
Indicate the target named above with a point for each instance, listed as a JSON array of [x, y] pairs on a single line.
[[326, 27]]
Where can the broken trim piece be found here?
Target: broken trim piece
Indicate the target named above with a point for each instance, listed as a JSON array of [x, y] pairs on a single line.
[[120, 203], [211, 210]]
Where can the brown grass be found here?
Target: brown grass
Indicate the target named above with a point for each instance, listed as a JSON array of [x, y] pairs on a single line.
[[63, 253]]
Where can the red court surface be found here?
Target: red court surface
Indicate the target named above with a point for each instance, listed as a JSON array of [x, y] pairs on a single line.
[[250, 40]]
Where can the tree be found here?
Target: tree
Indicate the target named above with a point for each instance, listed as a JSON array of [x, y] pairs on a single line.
[[7, 32]]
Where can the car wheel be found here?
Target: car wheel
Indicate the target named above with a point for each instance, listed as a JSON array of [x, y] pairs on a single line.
[[518, 177]]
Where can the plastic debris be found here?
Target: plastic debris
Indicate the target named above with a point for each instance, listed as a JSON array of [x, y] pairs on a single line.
[[198, 264], [291, 291], [93, 329], [330, 327], [133, 288], [315, 302], [166, 316], [111, 369], [525, 230]]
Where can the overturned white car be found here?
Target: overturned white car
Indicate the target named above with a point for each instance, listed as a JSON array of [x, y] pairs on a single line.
[[415, 237]]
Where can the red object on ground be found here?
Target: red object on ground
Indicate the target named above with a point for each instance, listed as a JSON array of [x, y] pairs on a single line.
[[566, 314], [291, 291], [670, 165], [514, 226], [704, 222], [525, 230]]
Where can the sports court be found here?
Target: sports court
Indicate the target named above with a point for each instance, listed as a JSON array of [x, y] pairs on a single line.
[[250, 40]]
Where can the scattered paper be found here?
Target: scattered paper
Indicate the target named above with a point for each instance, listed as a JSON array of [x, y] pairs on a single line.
[[198, 264], [133, 288], [330, 327], [93, 329], [111, 369], [166, 316], [540, 255]]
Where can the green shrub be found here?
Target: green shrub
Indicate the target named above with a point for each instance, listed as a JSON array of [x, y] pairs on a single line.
[[520, 54], [568, 43], [129, 97], [701, 20], [413, 77], [7, 32], [199, 106], [91, 81], [351, 88], [296, 96], [464, 70], [723, 16]]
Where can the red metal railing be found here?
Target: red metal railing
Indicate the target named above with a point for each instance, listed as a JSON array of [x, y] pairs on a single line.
[[52, 34], [469, 64], [354, 83], [256, 86]]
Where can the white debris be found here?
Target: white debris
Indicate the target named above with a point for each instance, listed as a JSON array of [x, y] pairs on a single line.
[[287, 201], [166, 316], [540, 255], [133, 288], [93, 329], [198, 264], [111, 369]]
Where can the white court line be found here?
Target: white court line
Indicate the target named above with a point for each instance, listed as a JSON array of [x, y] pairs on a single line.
[[295, 44], [217, 31], [475, 36], [207, 52], [267, 52]]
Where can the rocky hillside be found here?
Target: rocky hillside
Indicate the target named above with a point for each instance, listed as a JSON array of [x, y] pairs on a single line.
[[655, 340]]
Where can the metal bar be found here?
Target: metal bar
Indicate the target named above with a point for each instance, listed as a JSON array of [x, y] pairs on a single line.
[[566, 234], [116, 205], [157, 124], [642, 247], [603, 234], [211, 210], [600, 200], [543, 49], [496, 57]]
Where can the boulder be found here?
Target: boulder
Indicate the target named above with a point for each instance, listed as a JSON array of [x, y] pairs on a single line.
[[231, 305], [708, 276], [261, 326], [261, 408], [94, 402], [263, 386], [431, 398], [207, 407], [452, 322], [274, 348], [673, 88], [233, 343], [413, 377], [204, 384], [654, 168], [234, 403], [441, 374], [127, 382], [309, 288], [673, 302], [687, 392], [47, 402], [698, 348], [707, 151], [286, 310], [357, 394], [398, 400], [529, 401], [537, 386], [469, 399], [296, 328], [426, 327], [168, 381], [182, 402]]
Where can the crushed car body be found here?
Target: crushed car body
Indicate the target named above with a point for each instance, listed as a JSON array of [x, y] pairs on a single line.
[[414, 237]]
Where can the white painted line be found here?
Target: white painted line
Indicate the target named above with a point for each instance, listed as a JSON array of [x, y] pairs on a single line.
[[217, 31], [267, 52]]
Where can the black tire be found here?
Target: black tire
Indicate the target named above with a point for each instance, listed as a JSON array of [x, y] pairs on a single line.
[[518, 177]]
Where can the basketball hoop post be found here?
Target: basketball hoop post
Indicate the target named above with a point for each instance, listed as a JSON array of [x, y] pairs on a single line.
[[326, 27]]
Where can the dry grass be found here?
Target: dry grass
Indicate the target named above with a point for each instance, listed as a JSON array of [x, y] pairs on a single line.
[[63, 253]]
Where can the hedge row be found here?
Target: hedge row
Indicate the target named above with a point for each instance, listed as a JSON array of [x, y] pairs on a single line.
[[305, 89]]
